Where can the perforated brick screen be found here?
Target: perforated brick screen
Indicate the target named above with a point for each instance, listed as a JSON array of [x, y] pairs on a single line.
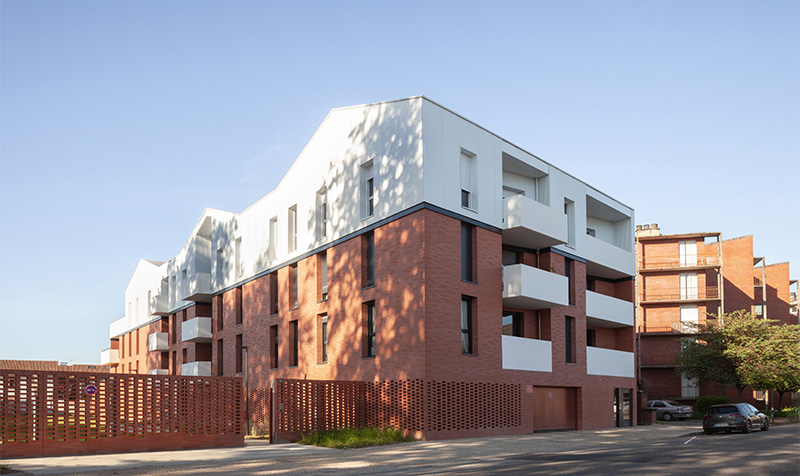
[[58, 413]]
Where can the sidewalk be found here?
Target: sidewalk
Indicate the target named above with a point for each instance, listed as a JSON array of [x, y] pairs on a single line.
[[260, 450]]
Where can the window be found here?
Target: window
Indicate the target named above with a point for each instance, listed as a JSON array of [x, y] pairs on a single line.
[[237, 293], [220, 358], [174, 362], [466, 326], [184, 356], [512, 324], [591, 338], [273, 340], [367, 190], [368, 259], [591, 232], [688, 253], [273, 239], [688, 282], [758, 310], [291, 226], [237, 252], [467, 261], [295, 343], [569, 210], [323, 339], [569, 339], [273, 292], [294, 278], [468, 179], [369, 329], [590, 284], [570, 282], [322, 273], [511, 257], [322, 213], [173, 321], [239, 351]]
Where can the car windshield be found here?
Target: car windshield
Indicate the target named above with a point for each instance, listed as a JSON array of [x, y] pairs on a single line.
[[674, 404]]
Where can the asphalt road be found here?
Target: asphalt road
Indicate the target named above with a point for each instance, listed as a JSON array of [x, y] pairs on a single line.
[[674, 449]]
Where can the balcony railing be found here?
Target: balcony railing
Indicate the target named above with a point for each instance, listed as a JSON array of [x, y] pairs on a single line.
[[681, 294], [674, 327], [677, 263]]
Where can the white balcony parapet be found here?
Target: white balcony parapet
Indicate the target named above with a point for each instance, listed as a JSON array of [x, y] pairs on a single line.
[[197, 369], [196, 330], [158, 342], [612, 311], [520, 353], [159, 372], [614, 363], [530, 224], [109, 356], [526, 287], [619, 262], [159, 304], [198, 288], [118, 327]]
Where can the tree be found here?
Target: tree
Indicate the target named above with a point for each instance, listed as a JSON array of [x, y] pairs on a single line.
[[703, 357]]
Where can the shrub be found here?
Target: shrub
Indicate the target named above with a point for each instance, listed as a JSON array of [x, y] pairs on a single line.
[[355, 438], [705, 402]]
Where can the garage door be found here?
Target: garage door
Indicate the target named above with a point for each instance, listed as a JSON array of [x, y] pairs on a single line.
[[553, 408]]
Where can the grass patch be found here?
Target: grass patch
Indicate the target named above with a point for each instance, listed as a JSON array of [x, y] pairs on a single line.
[[355, 437]]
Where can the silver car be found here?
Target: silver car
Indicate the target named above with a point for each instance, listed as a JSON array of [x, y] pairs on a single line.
[[668, 409]]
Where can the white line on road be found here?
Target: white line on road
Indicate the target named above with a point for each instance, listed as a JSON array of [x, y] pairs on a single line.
[[689, 440]]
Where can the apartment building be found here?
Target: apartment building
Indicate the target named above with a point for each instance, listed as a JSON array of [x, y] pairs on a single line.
[[407, 243], [683, 278]]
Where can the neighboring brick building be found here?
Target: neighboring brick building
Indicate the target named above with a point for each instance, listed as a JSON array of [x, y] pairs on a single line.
[[52, 366], [408, 244], [680, 279]]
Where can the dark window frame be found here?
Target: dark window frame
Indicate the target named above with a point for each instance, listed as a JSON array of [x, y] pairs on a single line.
[[467, 326]]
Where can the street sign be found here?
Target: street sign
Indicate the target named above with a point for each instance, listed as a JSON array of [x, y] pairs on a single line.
[[90, 389]]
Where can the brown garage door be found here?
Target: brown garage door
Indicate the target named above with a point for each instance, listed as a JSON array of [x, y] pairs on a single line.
[[553, 408]]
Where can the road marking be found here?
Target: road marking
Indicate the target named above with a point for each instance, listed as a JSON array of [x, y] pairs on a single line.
[[689, 440]]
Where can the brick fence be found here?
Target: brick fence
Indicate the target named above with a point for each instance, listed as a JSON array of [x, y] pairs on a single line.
[[426, 409], [64, 413]]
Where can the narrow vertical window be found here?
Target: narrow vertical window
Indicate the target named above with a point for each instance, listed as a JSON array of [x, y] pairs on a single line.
[[591, 338], [273, 342], [220, 358], [323, 339], [512, 324], [220, 314], [237, 257], [295, 343], [293, 277], [468, 179], [184, 356], [467, 261], [368, 259], [322, 267], [370, 339], [570, 282], [466, 325], [291, 226], [273, 292], [174, 362], [569, 210], [367, 190], [272, 246], [569, 339], [238, 295], [322, 213], [238, 353]]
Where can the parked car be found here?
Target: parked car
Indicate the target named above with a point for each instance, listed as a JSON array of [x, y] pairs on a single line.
[[667, 409], [734, 416]]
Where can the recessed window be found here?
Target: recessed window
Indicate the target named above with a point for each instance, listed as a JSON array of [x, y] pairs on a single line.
[[568, 272], [237, 293], [239, 352], [467, 253], [370, 339], [323, 339], [322, 213], [291, 226], [272, 246], [467, 342], [273, 292], [512, 324], [368, 259], [293, 276], [569, 339], [294, 332], [239, 266], [591, 338], [220, 357], [569, 210], [322, 272], [367, 190], [468, 179], [273, 342]]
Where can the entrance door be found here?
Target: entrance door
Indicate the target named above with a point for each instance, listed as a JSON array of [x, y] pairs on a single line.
[[622, 407], [554, 408]]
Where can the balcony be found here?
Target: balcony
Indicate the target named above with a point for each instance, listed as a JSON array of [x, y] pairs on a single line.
[[607, 311], [530, 224], [196, 330], [159, 372], [109, 357], [520, 353], [608, 261], [196, 369], [674, 327], [685, 263], [198, 288], [158, 342], [526, 287], [675, 295], [614, 363], [159, 305]]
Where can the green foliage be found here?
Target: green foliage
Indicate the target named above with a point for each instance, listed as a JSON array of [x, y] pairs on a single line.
[[355, 437], [705, 402]]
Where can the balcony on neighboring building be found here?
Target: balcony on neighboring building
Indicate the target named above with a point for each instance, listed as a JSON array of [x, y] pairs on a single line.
[[614, 363], [158, 342], [196, 330], [159, 372], [679, 295], [196, 369], [673, 327], [607, 311], [683, 263], [520, 353], [109, 357], [526, 287], [530, 224], [608, 261]]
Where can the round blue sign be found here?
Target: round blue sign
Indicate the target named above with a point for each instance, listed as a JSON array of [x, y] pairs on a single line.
[[90, 389]]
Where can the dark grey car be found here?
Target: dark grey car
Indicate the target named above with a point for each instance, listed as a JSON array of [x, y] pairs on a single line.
[[734, 416]]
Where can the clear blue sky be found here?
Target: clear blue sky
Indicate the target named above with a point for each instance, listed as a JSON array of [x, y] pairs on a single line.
[[121, 121]]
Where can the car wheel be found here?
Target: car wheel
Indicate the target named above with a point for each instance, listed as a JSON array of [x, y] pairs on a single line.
[[667, 417], [708, 432], [748, 427], [766, 426]]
